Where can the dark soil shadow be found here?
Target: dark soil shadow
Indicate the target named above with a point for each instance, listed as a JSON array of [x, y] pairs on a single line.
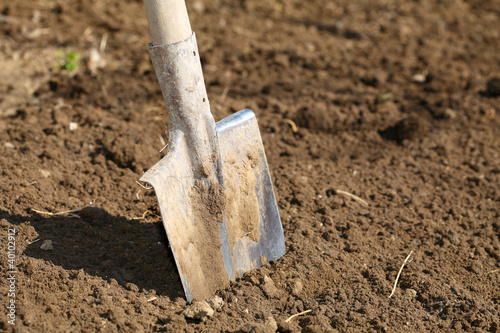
[[412, 127], [107, 246]]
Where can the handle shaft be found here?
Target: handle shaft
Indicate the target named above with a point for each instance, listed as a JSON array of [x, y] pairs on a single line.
[[168, 21]]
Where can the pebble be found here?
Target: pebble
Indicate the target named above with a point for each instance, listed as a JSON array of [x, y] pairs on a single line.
[[199, 7], [47, 245], [269, 287], [411, 292], [454, 239], [297, 287], [476, 267], [45, 173], [216, 302], [449, 114], [270, 324], [199, 311], [419, 78]]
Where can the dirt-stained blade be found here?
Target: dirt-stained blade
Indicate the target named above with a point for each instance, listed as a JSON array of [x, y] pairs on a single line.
[[210, 252]]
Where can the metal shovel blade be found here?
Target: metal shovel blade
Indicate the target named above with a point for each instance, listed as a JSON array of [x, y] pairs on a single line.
[[209, 253]]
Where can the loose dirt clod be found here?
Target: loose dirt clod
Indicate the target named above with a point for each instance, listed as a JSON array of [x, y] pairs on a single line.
[[493, 87], [413, 127], [269, 326]]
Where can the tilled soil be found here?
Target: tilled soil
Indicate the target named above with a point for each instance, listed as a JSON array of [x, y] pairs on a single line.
[[380, 121]]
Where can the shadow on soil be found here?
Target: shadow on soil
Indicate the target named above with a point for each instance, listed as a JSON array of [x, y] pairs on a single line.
[[107, 246]]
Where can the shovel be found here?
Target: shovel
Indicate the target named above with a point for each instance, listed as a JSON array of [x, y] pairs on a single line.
[[213, 186]]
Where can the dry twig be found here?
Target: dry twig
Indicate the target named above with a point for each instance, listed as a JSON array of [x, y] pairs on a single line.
[[65, 212], [164, 144], [292, 124], [142, 217], [355, 197], [399, 273], [296, 315], [224, 94], [143, 186]]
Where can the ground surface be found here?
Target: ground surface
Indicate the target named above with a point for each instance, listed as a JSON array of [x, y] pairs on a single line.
[[393, 103]]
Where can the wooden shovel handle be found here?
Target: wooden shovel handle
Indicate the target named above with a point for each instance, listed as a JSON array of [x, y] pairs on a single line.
[[168, 21]]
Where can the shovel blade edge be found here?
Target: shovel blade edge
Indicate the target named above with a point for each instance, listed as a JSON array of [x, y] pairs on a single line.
[[255, 233]]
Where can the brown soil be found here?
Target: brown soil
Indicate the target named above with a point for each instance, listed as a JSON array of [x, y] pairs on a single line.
[[395, 102], [201, 246]]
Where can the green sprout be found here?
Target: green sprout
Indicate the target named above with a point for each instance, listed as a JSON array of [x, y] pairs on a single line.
[[384, 97], [71, 61]]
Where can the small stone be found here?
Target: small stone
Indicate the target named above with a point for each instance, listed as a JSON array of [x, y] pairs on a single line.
[[45, 173], [363, 212], [476, 267], [270, 324], [282, 59], [47, 245], [454, 239], [198, 311], [199, 7], [132, 287], [449, 114], [419, 78], [309, 47], [269, 288], [9, 145], [73, 126], [216, 302], [297, 287], [411, 293]]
